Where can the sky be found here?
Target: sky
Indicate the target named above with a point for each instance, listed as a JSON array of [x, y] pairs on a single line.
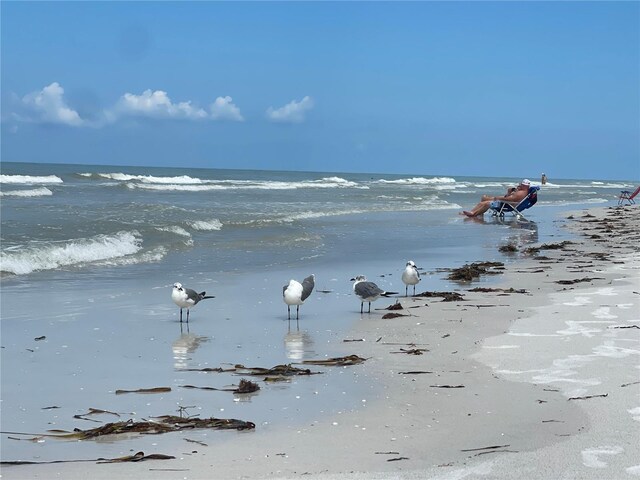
[[425, 88]]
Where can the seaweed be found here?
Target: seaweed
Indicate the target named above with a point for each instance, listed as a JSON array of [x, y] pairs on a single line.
[[468, 272], [337, 361], [446, 296]]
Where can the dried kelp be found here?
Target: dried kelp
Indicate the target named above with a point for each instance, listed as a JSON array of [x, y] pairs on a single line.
[[94, 411], [138, 457], [505, 290], [578, 280], [337, 361], [145, 390], [287, 370], [548, 246], [395, 306], [163, 424], [245, 386], [467, 273], [390, 315], [509, 248], [412, 351], [446, 296], [278, 371]]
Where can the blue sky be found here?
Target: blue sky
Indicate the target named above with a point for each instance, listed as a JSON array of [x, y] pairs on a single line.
[[429, 88]]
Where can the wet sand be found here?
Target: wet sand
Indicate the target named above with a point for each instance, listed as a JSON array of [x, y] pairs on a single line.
[[535, 384]]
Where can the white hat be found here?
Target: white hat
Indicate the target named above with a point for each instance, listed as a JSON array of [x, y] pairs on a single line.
[[525, 182]]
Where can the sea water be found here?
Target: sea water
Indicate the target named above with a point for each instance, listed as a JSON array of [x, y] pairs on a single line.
[[89, 254]]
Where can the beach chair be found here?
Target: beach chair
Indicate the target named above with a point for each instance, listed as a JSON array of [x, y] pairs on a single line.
[[501, 208], [628, 196]]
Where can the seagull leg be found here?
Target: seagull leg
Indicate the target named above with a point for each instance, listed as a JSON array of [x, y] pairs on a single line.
[[406, 291], [187, 315], [180, 315], [297, 312], [361, 306], [369, 308], [288, 312], [414, 290]]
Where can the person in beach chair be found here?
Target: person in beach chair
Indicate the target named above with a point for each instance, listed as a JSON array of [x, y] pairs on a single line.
[[500, 208], [513, 196], [627, 196]]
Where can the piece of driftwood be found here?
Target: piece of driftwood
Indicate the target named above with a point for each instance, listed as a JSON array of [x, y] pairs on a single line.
[[415, 372], [447, 386], [492, 447], [589, 396]]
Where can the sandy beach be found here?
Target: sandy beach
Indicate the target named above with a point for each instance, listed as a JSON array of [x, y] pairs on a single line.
[[537, 377]]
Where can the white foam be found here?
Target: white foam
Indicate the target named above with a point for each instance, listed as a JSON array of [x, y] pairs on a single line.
[[591, 456], [436, 181], [635, 412], [124, 177], [207, 226], [72, 252], [34, 192], [634, 470], [29, 179]]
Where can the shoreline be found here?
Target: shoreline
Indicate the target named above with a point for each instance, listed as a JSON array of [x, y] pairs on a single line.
[[418, 425]]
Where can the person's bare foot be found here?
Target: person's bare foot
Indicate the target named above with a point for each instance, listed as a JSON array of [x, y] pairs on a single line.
[[468, 214]]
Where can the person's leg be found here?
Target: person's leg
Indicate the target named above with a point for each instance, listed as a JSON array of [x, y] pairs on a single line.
[[478, 210]]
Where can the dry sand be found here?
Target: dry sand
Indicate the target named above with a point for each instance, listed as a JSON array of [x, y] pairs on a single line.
[[542, 384]]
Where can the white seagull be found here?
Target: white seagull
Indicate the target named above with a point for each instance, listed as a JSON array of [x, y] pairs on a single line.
[[296, 293], [186, 298], [410, 276], [367, 291]]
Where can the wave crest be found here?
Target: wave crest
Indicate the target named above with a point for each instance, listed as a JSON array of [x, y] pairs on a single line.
[[72, 252], [29, 179], [34, 192]]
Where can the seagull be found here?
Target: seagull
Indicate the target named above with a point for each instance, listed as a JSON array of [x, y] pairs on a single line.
[[410, 276], [296, 293], [367, 291], [186, 298]]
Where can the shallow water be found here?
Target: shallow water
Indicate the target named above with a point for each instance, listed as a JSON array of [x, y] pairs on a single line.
[[109, 322]]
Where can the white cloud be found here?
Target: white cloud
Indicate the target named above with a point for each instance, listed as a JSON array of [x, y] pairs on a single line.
[[48, 106], [292, 112], [157, 105], [224, 109]]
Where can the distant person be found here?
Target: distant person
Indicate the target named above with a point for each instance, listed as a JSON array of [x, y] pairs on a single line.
[[514, 197], [543, 180]]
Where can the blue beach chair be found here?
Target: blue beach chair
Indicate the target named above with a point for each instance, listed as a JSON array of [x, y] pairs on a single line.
[[500, 208]]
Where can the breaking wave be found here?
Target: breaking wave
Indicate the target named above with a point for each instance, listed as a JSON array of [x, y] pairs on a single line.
[[69, 253], [35, 192], [29, 179]]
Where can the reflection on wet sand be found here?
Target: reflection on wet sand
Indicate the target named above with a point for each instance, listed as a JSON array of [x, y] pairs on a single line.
[[297, 343], [184, 346]]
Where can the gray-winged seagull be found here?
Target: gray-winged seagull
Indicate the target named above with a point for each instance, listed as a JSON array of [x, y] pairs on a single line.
[[410, 276], [186, 298], [296, 293], [367, 291]]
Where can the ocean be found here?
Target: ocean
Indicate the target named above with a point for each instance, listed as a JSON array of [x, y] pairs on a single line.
[[89, 254]]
